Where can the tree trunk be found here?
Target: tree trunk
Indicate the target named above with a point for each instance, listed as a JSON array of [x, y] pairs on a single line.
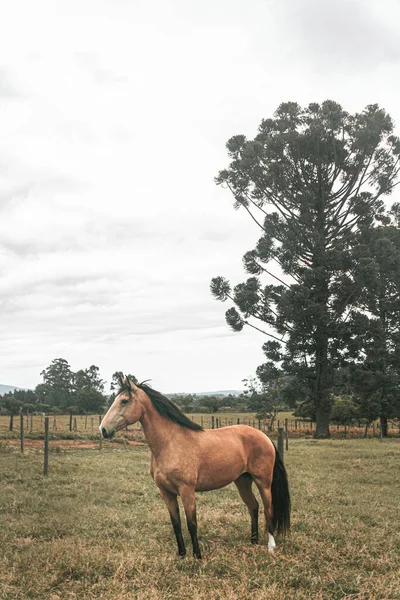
[[384, 426], [322, 421], [322, 391]]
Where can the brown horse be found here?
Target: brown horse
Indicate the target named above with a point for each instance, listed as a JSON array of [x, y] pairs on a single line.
[[185, 458]]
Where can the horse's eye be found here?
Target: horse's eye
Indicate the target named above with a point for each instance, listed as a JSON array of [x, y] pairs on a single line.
[[124, 401]]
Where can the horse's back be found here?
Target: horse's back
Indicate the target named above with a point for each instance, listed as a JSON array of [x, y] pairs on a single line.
[[227, 453]]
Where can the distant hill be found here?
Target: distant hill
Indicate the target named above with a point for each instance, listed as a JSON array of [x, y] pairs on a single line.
[[4, 389], [217, 393]]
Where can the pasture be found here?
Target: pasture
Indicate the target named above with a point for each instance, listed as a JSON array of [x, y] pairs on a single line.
[[96, 528]]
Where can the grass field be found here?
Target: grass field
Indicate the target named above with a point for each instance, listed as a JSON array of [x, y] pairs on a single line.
[[95, 528]]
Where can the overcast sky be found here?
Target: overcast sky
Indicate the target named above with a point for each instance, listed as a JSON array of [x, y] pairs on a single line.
[[114, 116]]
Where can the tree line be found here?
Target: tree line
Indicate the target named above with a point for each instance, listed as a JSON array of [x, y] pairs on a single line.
[[63, 390], [84, 392], [324, 283]]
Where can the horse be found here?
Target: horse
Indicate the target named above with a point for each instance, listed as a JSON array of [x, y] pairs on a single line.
[[185, 458]]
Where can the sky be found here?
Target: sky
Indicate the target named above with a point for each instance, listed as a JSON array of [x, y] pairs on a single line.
[[114, 116]]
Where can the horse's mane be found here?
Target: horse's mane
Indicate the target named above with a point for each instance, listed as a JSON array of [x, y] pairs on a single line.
[[163, 406]]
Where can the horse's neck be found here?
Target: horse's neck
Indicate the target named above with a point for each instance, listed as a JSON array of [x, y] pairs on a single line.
[[158, 431]]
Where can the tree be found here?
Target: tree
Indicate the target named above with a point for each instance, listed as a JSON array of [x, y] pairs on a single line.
[[211, 403], [184, 401], [93, 374], [265, 399], [344, 410], [310, 179], [57, 388], [374, 324], [89, 400], [88, 390]]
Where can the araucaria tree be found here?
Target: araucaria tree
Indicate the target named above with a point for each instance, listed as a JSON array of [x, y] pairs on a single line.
[[310, 179]]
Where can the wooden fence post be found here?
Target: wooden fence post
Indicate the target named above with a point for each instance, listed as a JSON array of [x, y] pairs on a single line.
[[70, 421], [238, 421], [280, 442], [11, 426], [21, 419], [31, 424], [46, 446], [212, 422], [75, 425]]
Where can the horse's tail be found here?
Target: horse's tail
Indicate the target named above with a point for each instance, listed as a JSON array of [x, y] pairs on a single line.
[[280, 497]]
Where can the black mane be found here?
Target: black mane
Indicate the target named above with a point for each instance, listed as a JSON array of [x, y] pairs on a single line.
[[164, 406]]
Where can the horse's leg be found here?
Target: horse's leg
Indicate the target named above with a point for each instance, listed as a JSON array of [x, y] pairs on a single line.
[[171, 501], [264, 487], [243, 484], [189, 503]]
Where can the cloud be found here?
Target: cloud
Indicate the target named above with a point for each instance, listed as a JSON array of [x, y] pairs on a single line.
[[343, 35], [7, 87]]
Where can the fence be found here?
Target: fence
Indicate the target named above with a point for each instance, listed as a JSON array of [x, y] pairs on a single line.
[[82, 426], [35, 426]]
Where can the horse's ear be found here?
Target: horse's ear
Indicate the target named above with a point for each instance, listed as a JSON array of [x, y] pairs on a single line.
[[130, 383]]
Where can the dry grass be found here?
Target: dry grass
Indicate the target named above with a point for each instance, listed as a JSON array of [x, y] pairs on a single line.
[[96, 528]]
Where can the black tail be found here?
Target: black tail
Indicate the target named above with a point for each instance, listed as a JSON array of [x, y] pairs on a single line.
[[280, 496]]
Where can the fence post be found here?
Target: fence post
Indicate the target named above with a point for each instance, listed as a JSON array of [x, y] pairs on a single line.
[[11, 426], [345, 431], [46, 446], [21, 418], [202, 420], [31, 424], [287, 439], [75, 425], [101, 437], [238, 421], [259, 424], [212, 422], [280, 442], [70, 421]]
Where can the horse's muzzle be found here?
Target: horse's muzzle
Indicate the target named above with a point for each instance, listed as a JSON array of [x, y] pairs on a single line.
[[107, 434]]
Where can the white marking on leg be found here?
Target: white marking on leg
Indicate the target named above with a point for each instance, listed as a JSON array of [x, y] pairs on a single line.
[[271, 543]]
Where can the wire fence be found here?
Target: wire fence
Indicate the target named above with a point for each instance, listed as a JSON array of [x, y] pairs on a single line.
[[87, 425]]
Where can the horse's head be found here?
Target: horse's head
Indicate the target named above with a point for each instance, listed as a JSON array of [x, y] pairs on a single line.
[[125, 410]]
